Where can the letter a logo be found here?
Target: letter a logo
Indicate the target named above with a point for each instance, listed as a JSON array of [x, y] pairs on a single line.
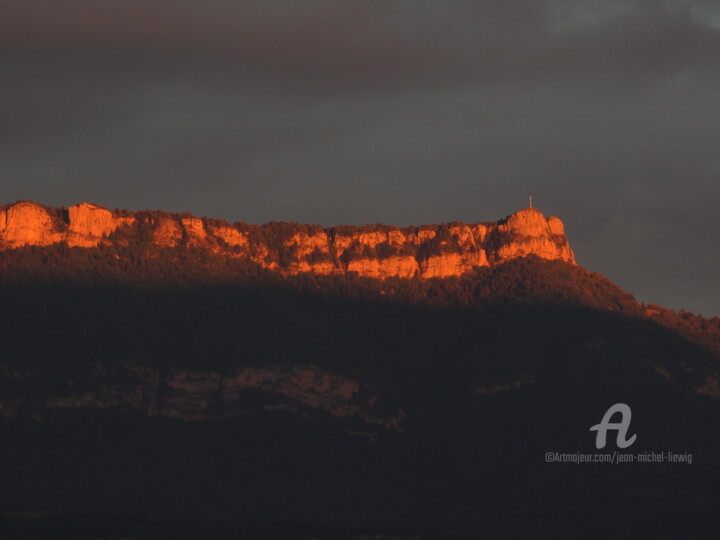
[[622, 427]]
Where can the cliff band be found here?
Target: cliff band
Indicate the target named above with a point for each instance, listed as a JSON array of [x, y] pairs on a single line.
[[378, 251]]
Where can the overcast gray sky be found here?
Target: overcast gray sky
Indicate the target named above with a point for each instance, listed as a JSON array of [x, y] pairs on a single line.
[[401, 112]]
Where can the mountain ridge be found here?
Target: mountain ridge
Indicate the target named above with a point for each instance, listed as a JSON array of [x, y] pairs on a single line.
[[168, 374], [377, 251]]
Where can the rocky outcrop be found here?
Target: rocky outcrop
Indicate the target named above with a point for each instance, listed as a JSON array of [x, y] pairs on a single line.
[[27, 224], [195, 230], [166, 232], [230, 236], [382, 268], [528, 232], [453, 264], [198, 395], [88, 224], [374, 251]]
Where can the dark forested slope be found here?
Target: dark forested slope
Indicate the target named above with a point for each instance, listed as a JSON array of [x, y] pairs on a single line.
[[153, 384]]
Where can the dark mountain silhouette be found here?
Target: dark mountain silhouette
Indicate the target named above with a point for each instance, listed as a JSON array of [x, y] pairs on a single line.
[[173, 391]]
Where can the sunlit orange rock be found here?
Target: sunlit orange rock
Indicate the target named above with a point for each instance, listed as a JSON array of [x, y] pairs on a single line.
[[230, 235], [398, 266], [396, 237], [341, 242], [376, 251], [303, 244], [556, 226], [310, 253], [424, 235], [166, 232], [261, 255], [479, 232], [27, 224], [464, 235], [542, 247], [194, 229], [369, 237], [372, 238], [89, 223], [452, 264], [527, 232], [321, 268], [528, 222]]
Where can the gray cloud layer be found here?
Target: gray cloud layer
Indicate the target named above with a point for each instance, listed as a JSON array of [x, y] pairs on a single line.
[[401, 112]]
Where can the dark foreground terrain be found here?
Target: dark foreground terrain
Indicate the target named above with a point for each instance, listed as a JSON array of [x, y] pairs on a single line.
[[183, 396]]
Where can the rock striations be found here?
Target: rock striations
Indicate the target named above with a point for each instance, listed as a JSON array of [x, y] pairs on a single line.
[[377, 251]]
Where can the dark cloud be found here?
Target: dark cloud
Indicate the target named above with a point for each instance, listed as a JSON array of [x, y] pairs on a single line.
[[402, 112], [358, 43]]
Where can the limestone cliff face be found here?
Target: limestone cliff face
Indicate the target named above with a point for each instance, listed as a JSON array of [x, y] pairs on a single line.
[[453, 264], [529, 232], [26, 223], [195, 230], [230, 236], [88, 224], [166, 232], [375, 251]]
